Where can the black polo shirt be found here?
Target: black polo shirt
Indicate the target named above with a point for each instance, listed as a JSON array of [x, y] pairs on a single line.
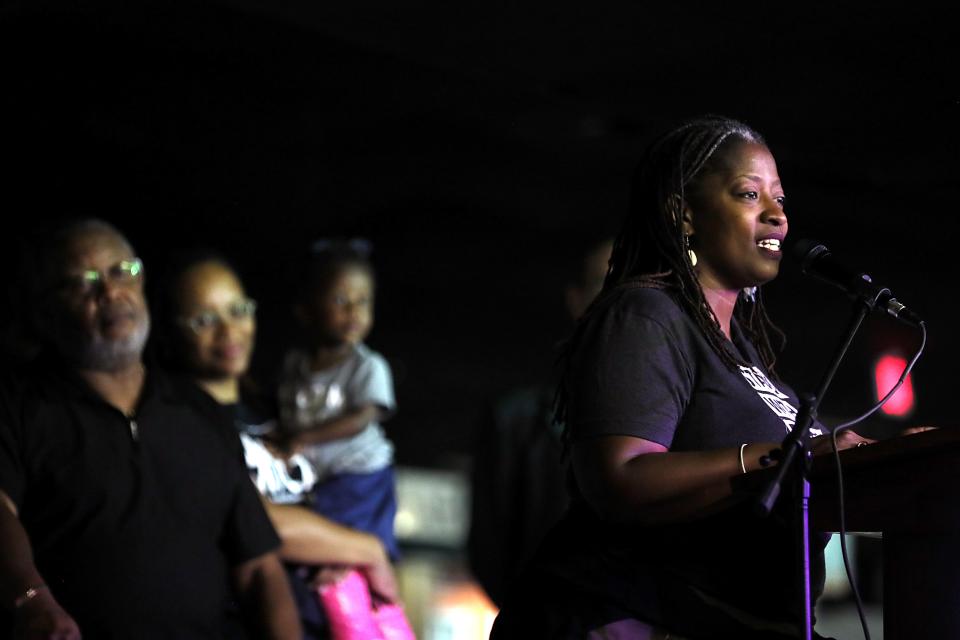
[[134, 521]]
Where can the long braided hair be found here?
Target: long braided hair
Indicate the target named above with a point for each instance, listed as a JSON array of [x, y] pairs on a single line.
[[651, 250]]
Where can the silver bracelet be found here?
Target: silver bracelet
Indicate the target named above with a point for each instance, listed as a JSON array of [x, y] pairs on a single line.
[[743, 467], [28, 595]]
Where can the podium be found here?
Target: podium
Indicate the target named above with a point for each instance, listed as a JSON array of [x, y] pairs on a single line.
[[907, 488]]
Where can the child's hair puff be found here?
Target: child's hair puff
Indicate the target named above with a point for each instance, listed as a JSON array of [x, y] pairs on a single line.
[[328, 258]]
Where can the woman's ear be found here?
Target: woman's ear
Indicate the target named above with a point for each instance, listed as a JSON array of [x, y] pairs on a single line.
[[686, 218], [681, 208]]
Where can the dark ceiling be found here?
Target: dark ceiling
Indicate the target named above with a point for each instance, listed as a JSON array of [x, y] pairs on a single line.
[[476, 144]]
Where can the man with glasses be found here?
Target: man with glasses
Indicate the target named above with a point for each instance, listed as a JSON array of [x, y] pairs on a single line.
[[124, 510]]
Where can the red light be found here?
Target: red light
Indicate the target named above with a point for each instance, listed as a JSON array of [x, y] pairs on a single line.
[[886, 373]]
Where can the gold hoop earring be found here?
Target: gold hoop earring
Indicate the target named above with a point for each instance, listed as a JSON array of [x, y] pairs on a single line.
[[690, 252]]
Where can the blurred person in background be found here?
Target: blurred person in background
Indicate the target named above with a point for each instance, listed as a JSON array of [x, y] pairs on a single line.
[[518, 482], [124, 511], [334, 392], [208, 324]]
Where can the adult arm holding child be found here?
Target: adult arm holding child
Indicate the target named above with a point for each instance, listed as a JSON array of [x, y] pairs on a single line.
[[310, 539]]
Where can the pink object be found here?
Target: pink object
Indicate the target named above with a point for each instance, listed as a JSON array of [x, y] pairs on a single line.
[[353, 617], [348, 607], [393, 623]]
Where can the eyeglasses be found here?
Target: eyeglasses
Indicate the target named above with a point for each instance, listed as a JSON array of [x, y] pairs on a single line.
[[123, 273], [239, 311]]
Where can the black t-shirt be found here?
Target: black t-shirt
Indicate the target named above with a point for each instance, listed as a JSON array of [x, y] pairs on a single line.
[[135, 521], [252, 417], [643, 368]]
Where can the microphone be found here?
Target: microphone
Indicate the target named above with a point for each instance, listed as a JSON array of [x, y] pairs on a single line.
[[817, 261]]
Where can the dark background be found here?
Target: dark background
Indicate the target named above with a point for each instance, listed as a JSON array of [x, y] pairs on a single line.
[[477, 145]]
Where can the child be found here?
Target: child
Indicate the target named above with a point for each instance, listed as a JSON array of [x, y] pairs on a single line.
[[333, 394]]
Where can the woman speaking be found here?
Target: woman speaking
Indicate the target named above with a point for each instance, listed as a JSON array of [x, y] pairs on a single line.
[[669, 390]]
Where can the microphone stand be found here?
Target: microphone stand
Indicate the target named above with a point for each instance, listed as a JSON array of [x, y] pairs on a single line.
[[795, 458]]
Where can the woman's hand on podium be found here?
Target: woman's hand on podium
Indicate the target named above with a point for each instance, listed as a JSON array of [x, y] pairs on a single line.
[[846, 439]]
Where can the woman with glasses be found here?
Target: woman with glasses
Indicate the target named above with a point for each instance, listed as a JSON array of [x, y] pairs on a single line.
[[208, 327]]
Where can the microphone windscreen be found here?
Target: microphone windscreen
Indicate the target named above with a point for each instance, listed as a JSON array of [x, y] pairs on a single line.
[[805, 251]]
